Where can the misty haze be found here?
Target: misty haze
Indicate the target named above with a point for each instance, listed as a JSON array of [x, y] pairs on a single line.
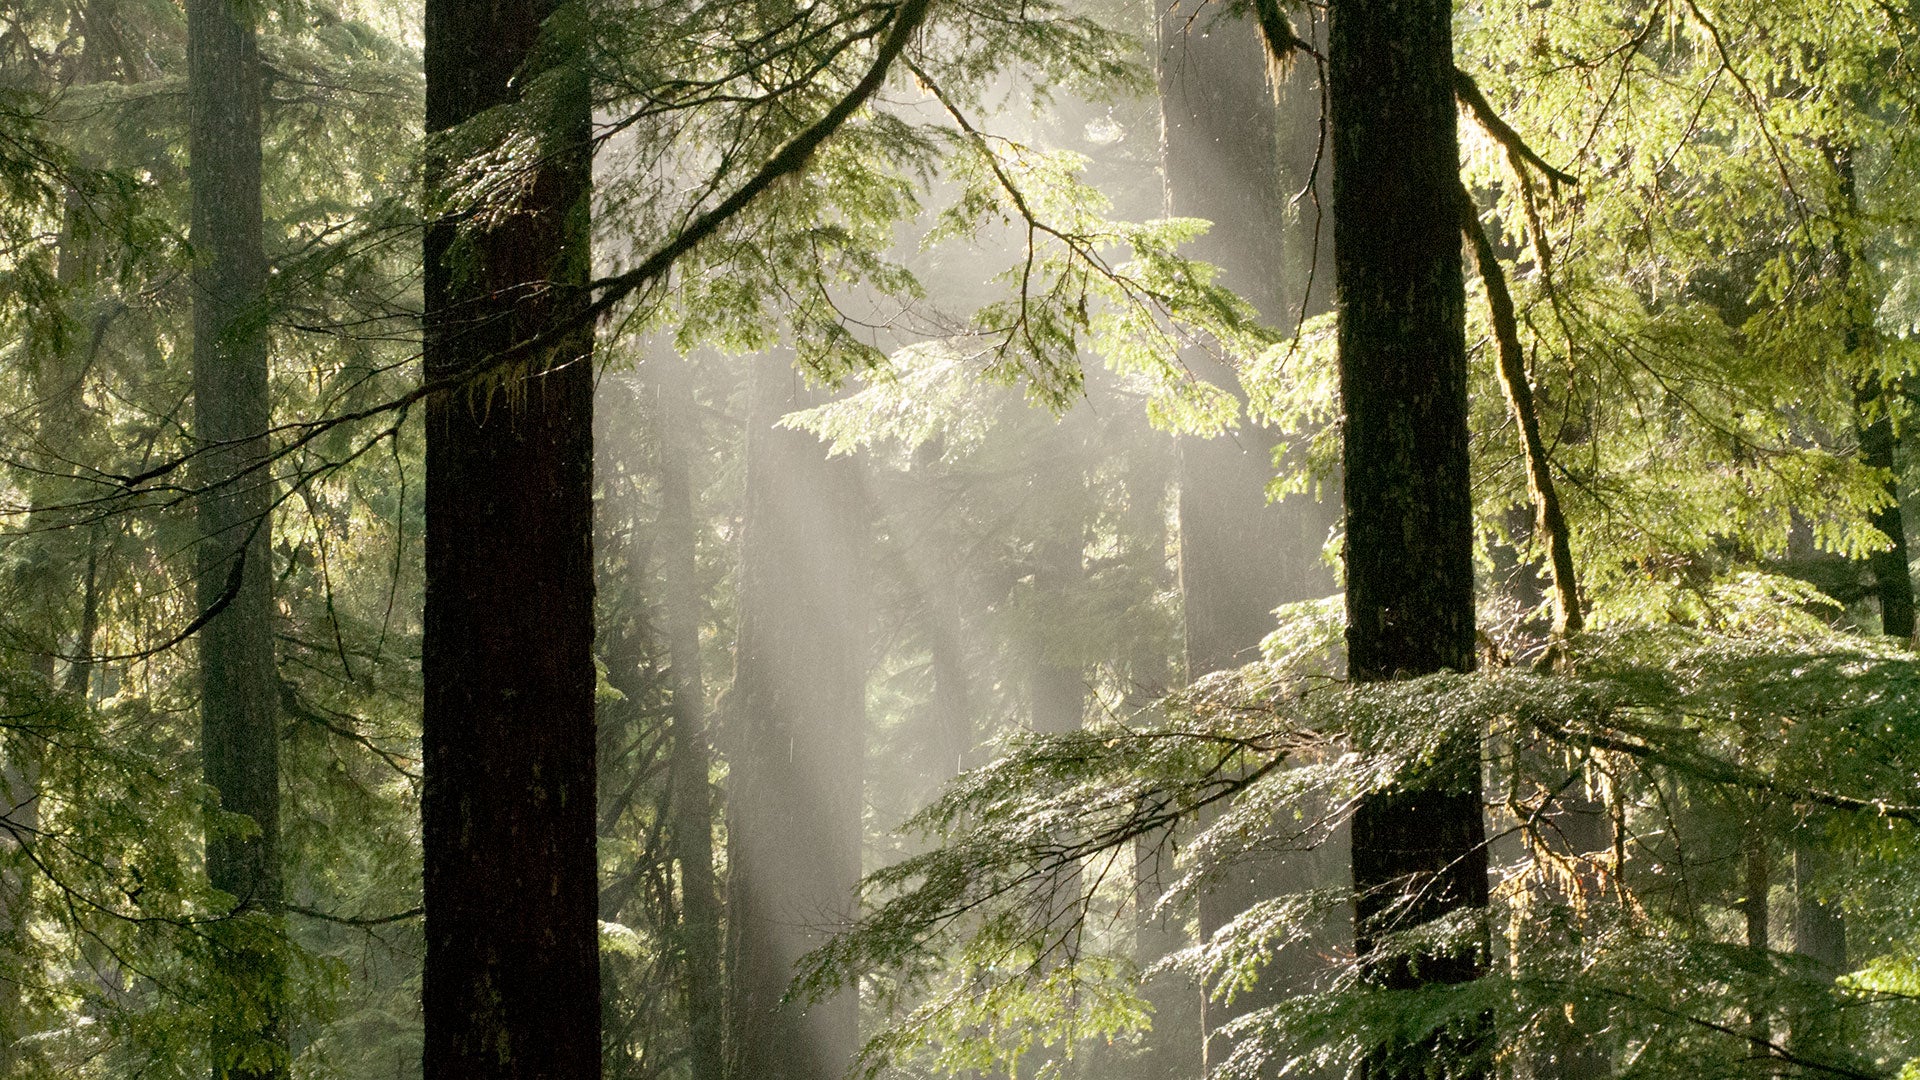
[[1015, 540]]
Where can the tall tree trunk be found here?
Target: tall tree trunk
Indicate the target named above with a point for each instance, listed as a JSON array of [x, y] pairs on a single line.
[[512, 980], [1419, 847], [691, 832], [1173, 1044], [797, 715], [1236, 151], [1820, 935], [239, 689]]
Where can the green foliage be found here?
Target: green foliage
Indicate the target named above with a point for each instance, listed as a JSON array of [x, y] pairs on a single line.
[[1629, 940]]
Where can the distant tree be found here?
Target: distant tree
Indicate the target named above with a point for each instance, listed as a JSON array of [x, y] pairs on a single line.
[[239, 687], [796, 719], [690, 798], [1240, 145], [512, 978]]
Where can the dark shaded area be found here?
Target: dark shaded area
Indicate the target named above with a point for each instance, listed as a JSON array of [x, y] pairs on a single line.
[[512, 987], [1418, 848]]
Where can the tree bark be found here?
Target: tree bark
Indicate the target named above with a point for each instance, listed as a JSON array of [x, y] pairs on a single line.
[[238, 684], [1419, 847], [797, 742], [512, 978]]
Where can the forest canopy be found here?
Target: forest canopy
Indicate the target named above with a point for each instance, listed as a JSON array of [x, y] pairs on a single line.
[[1057, 538]]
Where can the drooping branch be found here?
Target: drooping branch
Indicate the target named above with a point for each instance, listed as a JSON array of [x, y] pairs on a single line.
[[1549, 522], [1468, 93], [1277, 30]]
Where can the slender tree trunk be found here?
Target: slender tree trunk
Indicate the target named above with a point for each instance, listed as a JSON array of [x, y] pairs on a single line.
[[1172, 1047], [797, 714], [691, 833], [43, 580], [240, 744], [1757, 879], [952, 714], [1892, 580], [1819, 932], [1820, 935], [1419, 847], [512, 978]]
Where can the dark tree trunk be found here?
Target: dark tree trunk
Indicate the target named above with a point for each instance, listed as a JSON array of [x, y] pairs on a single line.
[[512, 980], [1419, 847], [1892, 581], [1236, 157], [239, 689], [691, 832], [797, 715]]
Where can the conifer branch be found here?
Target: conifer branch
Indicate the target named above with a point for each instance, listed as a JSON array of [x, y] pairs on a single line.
[[1468, 92], [789, 159]]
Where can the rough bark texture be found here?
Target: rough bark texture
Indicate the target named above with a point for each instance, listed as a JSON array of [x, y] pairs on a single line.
[[512, 982], [691, 799], [239, 688], [1235, 153], [1418, 848], [797, 715]]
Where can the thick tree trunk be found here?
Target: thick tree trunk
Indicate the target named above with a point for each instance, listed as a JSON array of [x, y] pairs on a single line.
[[691, 833], [1236, 151], [797, 715], [239, 688], [512, 980], [1419, 847]]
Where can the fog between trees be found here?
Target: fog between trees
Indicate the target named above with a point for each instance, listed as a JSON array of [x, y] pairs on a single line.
[[782, 540]]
